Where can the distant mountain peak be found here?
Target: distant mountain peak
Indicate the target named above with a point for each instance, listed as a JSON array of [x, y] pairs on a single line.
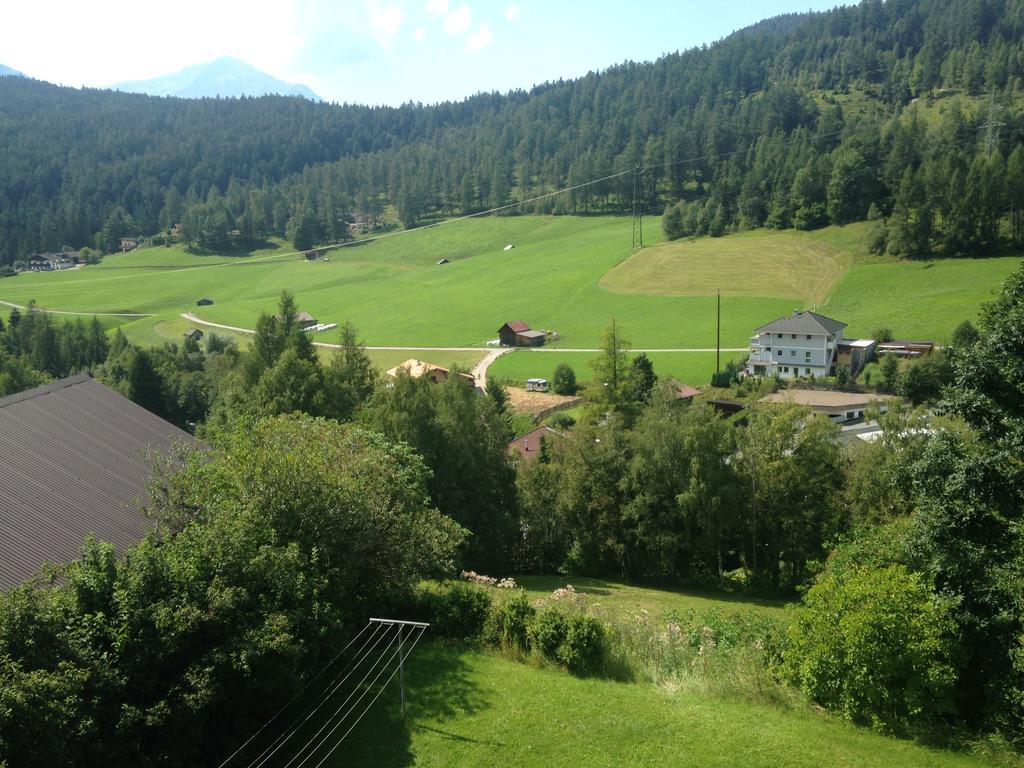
[[224, 76], [8, 72]]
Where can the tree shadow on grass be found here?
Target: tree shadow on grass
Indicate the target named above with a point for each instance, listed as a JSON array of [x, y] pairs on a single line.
[[439, 686]]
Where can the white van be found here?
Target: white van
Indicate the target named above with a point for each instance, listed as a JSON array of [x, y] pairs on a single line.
[[536, 385]]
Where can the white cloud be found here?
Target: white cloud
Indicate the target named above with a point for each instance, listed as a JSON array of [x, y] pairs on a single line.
[[511, 12], [480, 39], [437, 7], [420, 34], [459, 20], [384, 21]]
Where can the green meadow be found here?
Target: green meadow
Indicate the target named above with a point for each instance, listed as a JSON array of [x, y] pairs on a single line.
[[474, 709], [688, 367], [566, 274]]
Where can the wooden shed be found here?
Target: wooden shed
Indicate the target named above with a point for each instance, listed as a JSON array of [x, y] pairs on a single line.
[[507, 332], [204, 302]]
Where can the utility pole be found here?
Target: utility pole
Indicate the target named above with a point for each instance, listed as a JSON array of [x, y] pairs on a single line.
[[991, 125], [401, 669], [718, 335], [638, 216]]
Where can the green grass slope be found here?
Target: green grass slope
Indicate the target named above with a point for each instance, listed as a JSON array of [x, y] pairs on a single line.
[[567, 274], [916, 299], [794, 265], [470, 709]]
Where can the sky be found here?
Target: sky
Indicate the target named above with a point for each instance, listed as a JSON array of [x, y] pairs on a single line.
[[366, 51]]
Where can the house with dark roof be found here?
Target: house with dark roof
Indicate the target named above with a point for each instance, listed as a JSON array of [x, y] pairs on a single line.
[[193, 334], [804, 344], [518, 334], [73, 462], [507, 332]]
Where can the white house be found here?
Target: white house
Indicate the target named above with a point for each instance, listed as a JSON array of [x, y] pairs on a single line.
[[803, 344]]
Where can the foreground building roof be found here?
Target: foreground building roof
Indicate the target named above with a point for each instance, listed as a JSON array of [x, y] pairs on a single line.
[[72, 462]]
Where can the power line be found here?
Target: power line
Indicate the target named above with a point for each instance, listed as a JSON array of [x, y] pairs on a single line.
[[333, 749], [377, 662], [329, 691], [296, 696]]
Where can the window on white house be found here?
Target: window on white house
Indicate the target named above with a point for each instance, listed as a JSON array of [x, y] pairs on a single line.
[[808, 371], [792, 353], [793, 335]]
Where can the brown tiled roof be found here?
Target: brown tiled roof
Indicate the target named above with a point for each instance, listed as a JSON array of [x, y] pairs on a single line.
[[72, 462], [685, 391], [528, 445], [518, 326]]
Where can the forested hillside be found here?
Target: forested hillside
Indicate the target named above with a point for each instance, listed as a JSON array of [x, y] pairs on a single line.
[[797, 121]]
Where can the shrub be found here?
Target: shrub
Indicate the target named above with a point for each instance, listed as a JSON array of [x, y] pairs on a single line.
[[876, 646], [454, 609], [585, 645], [574, 640], [547, 632], [508, 623], [564, 381]]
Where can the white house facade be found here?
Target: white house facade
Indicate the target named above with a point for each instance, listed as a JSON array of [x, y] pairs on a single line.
[[802, 344]]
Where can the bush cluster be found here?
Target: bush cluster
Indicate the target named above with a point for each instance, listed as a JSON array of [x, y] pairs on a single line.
[[467, 612], [876, 645]]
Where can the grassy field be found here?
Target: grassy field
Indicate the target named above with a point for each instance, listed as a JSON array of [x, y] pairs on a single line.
[[688, 367], [925, 299], [794, 265], [566, 274], [467, 708]]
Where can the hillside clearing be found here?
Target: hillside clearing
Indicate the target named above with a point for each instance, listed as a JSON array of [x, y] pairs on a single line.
[[794, 265]]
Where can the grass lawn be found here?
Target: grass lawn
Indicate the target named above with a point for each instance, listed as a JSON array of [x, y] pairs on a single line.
[[467, 708], [619, 600], [688, 367], [566, 274], [917, 299]]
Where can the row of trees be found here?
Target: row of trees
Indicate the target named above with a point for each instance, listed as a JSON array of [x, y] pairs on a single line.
[[749, 129]]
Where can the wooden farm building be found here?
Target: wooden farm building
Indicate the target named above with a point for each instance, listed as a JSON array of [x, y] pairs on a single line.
[[905, 348], [193, 334], [305, 320], [302, 319], [518, 334]]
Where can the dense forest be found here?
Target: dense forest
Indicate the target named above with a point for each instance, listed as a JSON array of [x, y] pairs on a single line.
[[798, 121]]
